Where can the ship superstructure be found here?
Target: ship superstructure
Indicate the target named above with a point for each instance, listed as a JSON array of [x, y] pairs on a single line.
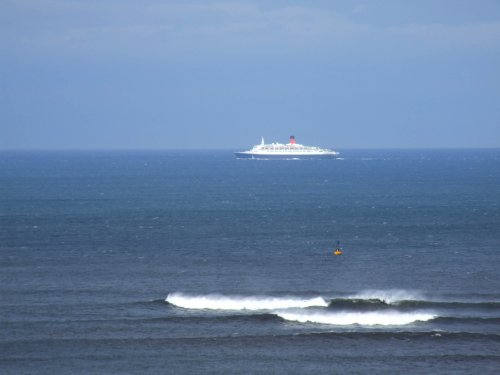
[[291, 150]]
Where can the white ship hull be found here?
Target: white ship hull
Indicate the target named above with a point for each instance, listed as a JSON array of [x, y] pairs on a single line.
[[283, 156]]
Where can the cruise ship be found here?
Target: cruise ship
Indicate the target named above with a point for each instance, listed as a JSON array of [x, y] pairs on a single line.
[[291, 150]]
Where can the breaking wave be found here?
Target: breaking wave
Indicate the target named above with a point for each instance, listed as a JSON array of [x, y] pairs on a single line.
[[388, 296], [367, 308], [220, 302], [357, 304], [361, 318]]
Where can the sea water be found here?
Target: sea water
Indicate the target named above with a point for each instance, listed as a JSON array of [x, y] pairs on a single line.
[[196, 262]]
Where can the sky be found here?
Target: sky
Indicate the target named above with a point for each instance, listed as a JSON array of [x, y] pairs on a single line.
[[202, 74]]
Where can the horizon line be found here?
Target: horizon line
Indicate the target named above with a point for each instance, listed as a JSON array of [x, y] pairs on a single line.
[[233, 150]]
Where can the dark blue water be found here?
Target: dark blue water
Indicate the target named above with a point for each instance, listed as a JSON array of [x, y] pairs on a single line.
[[195, 262]]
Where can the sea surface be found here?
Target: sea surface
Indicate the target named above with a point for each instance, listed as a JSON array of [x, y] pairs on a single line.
[[194, 262]]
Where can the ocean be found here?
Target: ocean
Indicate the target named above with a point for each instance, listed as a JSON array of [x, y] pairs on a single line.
[[194, 262]]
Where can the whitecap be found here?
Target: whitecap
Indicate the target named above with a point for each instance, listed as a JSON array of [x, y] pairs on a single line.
[[221, 302], [385, 318]]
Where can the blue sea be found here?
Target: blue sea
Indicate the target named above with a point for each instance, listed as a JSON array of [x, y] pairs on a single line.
[[194, 262]]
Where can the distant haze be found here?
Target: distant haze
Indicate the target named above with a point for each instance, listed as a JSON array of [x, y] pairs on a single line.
[[123, 74]]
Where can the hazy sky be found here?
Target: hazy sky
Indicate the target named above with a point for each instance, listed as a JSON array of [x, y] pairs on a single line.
[[106, 74]]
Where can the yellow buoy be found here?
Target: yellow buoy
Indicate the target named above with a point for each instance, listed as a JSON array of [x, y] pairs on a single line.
[[338, 250]]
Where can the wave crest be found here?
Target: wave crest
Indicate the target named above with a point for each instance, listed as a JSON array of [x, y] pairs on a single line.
[[350, 318], [220, 302], [388, 296]]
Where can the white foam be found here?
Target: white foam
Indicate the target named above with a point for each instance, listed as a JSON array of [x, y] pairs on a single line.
[[220, 302], [348, 318], [389, 296]]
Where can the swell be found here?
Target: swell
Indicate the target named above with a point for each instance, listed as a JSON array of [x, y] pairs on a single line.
[[259, 318], [433, 335], [406, 335], [484, 306], [377, 304], [358, 304], [466, 320]]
